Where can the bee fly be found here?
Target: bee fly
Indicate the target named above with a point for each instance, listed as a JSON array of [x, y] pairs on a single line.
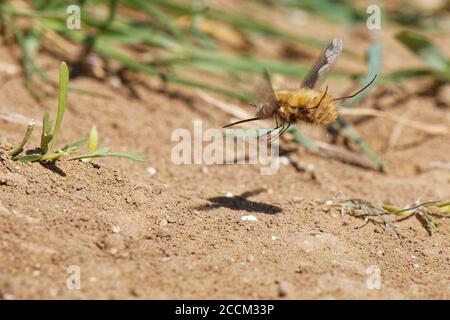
[[306, 103]]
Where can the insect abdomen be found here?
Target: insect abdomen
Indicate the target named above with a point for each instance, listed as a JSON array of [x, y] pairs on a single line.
[[304, 105]]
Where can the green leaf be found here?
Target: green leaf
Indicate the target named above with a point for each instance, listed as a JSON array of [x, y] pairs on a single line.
[[29, 158], [374, 60], [24, 141], [406, 74], [104, 152], [302, 139], [54, 156], [93, 139], [425, 49], [74, 146], [47, 134], [62, 101]]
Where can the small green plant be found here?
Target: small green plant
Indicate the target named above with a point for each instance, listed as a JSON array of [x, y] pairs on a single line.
[[437, 64], [49, 137]]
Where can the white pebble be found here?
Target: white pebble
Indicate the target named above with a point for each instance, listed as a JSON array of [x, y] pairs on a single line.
[[53, 292], [310, 167], [229, 195], [151, 171], [285, 160], [115, 229], [36, 273], [249, 218], [274, 237], [8, 296], [329, 202]]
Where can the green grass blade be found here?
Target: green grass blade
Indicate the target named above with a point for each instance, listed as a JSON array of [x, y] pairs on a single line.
[[24, 141], [104, 152], [29, 158], [93, 139], [62, 101], [74, 146], [47, 134], [426, 50], [303, 140], [374, 60], [54, 156]]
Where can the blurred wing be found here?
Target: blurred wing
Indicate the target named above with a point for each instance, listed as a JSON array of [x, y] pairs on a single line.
[[269, 103], [324, 64]]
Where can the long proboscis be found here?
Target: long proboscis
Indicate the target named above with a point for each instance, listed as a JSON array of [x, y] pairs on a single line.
[[359, 91], [241, 121]]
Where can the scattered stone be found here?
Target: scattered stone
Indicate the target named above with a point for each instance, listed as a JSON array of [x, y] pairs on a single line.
[[249, 218], [229, 195], [380, 253], [53, 292], [285, 160], [282, 288], [163, 223], [138, 196], [115, 229], [8, 296], [163, 234], [151, 171], [171, 219], [36, 273], [112, 243], [274, 237]]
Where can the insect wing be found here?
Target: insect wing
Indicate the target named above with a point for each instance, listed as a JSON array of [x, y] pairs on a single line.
[[324, 64], [269, 103]]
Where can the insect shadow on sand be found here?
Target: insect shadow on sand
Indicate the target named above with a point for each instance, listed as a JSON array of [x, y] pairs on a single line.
[[241, 202]]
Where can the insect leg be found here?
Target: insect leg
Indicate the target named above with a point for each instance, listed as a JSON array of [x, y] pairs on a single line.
[[321, 99], [268, 132], [283, 130]]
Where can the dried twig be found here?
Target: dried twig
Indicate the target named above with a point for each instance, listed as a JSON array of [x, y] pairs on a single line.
[[435, 129]]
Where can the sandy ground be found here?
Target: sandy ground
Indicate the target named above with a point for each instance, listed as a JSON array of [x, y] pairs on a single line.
[[176, 234]]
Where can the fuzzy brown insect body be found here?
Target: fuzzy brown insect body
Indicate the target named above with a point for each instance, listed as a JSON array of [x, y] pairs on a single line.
[[308, 105], [305, 104]]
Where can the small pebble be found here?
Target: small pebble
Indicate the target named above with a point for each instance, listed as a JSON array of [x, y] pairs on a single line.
[[8, 296], [310, 167], [285, 160], [329, 202], [229, 195], [274, 237], [151, 171], [53, 292], [205, 170], [92, 279], [115, 229], [249, 218], [282, 288], [36, 273]]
